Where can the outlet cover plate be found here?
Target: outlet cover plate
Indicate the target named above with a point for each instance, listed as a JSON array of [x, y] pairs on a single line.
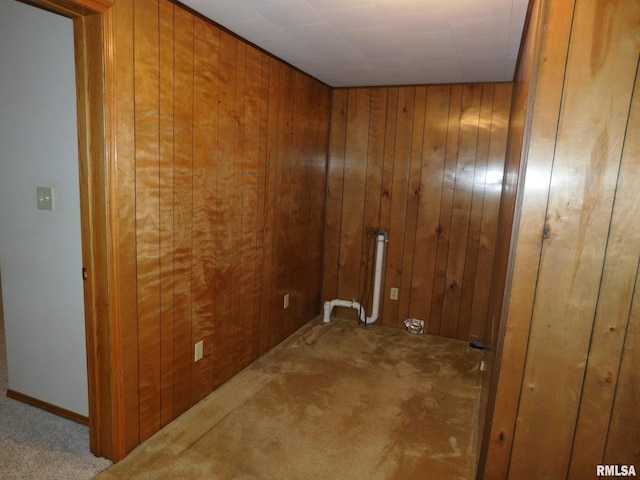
[[45, 198], [198, 351]]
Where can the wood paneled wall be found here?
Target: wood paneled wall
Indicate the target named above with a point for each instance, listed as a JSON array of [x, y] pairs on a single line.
[[425, 164], [220, 174], [566, 398], [509, 211]]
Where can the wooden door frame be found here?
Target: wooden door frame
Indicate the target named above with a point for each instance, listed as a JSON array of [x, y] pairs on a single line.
[[95, 92]]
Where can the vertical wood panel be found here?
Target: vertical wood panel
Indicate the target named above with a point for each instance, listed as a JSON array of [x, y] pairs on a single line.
[[446, 210], [387, 182], [413, 201], [183, 208], [226, 281], [283, 198], [147, 212], [623, 436], [375, 156], [166, 76], [298, 202], [125, 334], [352, 209], [570, 299], [372, 190], [478, 196], [306, 301], [490, 214], [335, 182], [318, 108], [204, 216], [398, 200], [585, 169], [267, 321], [431, 184], [462, 197], [387, 164], [261, 292], [614, 337], [252, 234], [542, 83], [237, 330]]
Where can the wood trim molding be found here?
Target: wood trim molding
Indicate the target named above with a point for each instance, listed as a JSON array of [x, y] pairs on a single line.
[[90, 32], [72, 8], [59, 411]]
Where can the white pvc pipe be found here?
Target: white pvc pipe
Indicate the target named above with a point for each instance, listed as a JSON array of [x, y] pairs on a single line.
[[377, 290], [377, 279], [330, 304]]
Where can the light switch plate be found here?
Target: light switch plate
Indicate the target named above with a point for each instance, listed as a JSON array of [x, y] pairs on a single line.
[[45, 198]]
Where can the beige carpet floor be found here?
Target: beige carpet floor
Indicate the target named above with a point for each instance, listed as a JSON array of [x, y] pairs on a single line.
[[334, 401]]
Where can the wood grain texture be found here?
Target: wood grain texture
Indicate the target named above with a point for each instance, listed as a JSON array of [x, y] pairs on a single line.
[[613, 347], [478, 195], [490, 215], [76, 9], [353, 195], [147, 168], [335, 182], [522, 210], [252, 201], [205, 215], [583, 186], [399, 162], [446, 208], [431, 185], [414, 191], [167, 279], [260, 330], [269, 306], [563, 353], [398, 202], [461, 210], [183, 111], [373, 187], [221, 167], [125, 338], [623, 435], [93, 38]]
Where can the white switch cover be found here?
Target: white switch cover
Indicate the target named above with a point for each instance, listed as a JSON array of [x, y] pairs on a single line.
[[286, 300], [393, 294], [198, 351], [45, 198]]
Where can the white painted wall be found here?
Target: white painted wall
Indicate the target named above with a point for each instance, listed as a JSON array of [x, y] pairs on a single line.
[[40, 251]]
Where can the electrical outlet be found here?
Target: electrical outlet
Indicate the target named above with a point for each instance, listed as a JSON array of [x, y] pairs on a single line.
[[286, 300], [394, 294], [198, 351]]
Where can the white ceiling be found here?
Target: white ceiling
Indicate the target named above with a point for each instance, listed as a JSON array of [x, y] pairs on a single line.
[[381, 42]]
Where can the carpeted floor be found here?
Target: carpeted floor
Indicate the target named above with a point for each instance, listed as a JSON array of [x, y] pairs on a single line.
[[35, 444], [336, 401]]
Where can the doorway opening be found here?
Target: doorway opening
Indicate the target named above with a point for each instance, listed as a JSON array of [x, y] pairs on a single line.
[[94, 70]]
